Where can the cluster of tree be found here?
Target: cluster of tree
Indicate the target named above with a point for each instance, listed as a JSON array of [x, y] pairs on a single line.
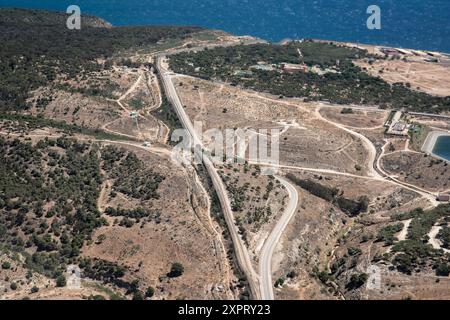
[[166, 112], [258, 216], [132, 216], [131, 176], [37, 48], [350, 207], [112, 273], [30, 122], [347, 111], [315, 188], [357, 280], [133, 213], [106, 271], [62, 175], [387, 234], [415, 252], [349, 84], [142, 184], [104, 89], [444, 236], [238, 195]]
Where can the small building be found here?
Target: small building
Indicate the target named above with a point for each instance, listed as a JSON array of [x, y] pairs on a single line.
[[395, 125], [399, 126], [389, 51], [443, 197], [290, 67], [432, 60]]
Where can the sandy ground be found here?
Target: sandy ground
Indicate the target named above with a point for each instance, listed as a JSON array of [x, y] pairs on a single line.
[[305, 139], [431, 78]]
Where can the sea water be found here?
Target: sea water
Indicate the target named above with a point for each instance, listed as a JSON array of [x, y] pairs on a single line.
[[417, 24]]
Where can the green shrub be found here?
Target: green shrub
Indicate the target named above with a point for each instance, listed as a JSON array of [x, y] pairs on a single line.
[[357, 280], [61, 281], [176, 270], [443, 270], [150, 292]]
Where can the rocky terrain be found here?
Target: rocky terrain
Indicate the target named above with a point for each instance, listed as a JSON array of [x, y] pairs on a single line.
[[95, 202]]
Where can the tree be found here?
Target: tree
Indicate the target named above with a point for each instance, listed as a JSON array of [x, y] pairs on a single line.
[[138, 295], [61, 281], [357, 280], [13, 286], [6, 265], [443, 270], [176, 270], [34, 289], [150, 292], [279, 282]]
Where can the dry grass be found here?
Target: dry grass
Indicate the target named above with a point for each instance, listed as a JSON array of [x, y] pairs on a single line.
[[431, 78], [304, 140], [357, 119], [418, 169], [148, 250]]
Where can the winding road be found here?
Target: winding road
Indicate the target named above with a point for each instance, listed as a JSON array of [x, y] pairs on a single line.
[[241, 251], [261, 285], [265, 262]]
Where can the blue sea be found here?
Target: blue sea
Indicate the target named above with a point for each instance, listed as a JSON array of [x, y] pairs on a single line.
[[420, 24], [442, 147]]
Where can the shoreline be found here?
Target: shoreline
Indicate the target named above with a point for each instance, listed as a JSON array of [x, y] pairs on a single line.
[[274, 39], [430, 142]]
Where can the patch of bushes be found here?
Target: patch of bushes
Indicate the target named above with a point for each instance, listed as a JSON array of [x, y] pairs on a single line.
[[350, 207], [387, 234], [348, 84], [357, 280]]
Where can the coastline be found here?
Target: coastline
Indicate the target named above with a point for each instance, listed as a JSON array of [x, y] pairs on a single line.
[[132, 14], [430, 142]]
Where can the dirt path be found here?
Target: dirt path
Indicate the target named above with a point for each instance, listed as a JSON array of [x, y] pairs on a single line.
[[372, 152], [431, 197], [436, 243], [212, 231], [402, 235]]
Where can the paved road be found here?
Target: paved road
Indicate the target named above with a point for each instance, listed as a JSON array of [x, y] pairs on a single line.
[[242, 255], [265, 262]]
